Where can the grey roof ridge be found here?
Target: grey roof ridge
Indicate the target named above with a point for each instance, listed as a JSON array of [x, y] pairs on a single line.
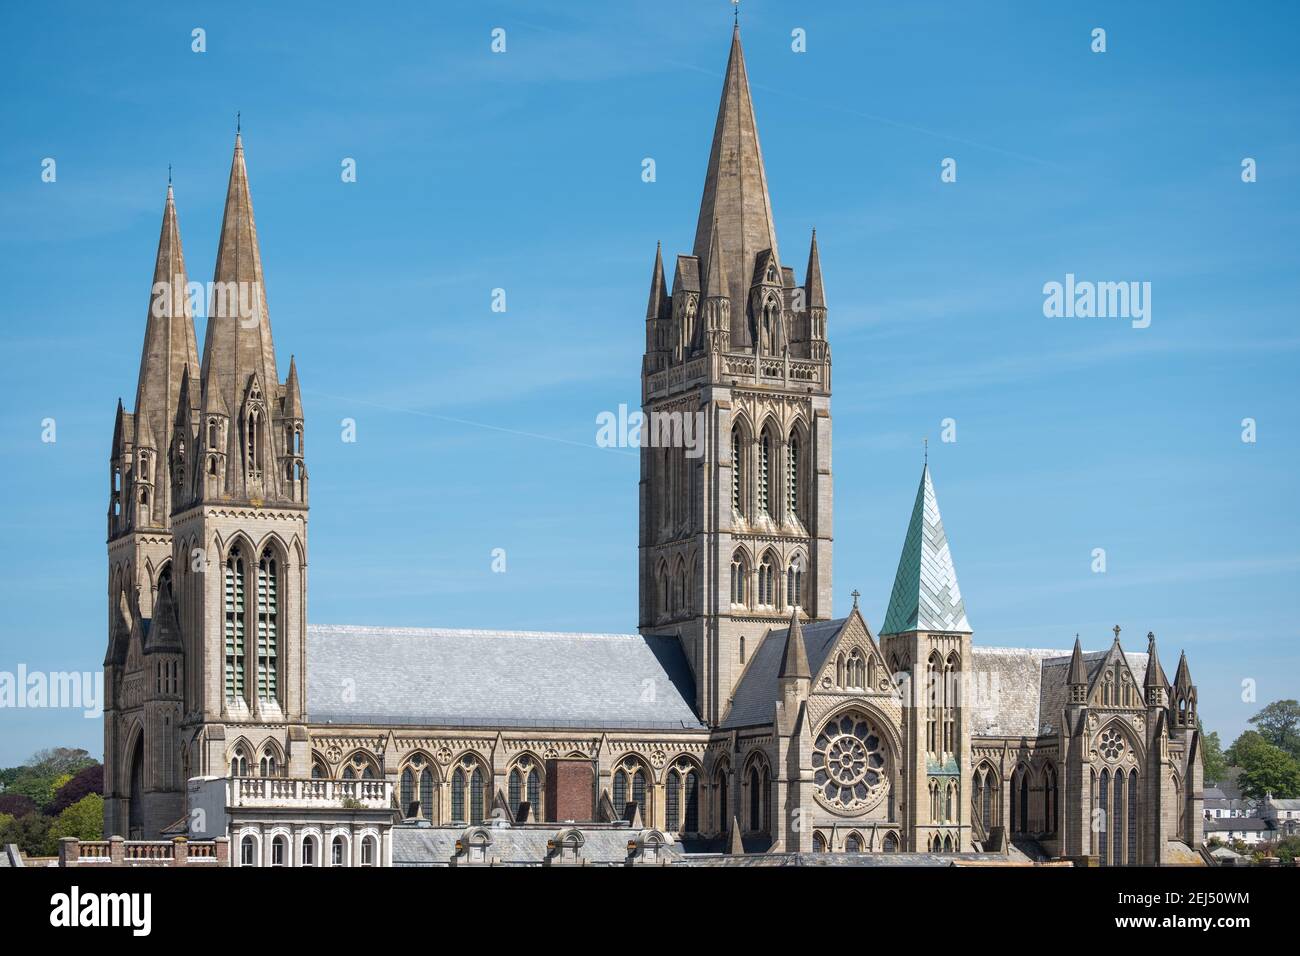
[[404, 631]]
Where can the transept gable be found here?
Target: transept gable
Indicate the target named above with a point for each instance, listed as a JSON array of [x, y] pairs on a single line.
[[853, 662], [1113, 684]]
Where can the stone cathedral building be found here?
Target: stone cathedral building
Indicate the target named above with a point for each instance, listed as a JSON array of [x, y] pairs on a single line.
[[742, 716]]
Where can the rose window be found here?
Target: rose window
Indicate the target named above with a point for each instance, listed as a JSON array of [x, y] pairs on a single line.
[[849, 763], [1111, 744]]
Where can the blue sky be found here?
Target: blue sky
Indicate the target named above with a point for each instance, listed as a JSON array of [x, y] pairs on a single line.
[[522, 171]]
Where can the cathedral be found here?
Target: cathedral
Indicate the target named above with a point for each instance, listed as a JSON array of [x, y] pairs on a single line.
[[741, 720]]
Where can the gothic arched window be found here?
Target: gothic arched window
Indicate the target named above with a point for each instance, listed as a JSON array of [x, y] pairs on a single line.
[[738, 574], [792, 499], [268, 627], [239, 763], [524, 784], [682, 798], [766, 582], [234, 623], [630, 785], [1049, 799], [467, 791], [737, 472], [794, 584], [269, 765], [359, 767]]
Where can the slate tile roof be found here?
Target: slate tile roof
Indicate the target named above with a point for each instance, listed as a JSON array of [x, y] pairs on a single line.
[[754, 701], [1021, 692], [471, 678]]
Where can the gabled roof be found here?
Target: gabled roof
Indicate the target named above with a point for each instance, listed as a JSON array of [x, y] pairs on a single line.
[[754, 700], [467, 678], [925, 596], [1026, 689]]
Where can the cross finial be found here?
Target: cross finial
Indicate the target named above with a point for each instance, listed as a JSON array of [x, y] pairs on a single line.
[[736, 5], [169, 174], [1116, 633], [925, 452], [855, 596], [237, 121]]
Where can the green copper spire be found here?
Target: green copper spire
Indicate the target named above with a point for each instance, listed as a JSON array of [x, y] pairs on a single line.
[[925, 595]]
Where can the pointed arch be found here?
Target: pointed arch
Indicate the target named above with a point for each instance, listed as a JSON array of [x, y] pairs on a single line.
[[765, 466], [525, 786], [631, 783], [757, 783], [797, 459], [767, 571], [270, 759], [986, 793], [470, 788], [239, 757], [740, 565], [359, 765], [419, 781]]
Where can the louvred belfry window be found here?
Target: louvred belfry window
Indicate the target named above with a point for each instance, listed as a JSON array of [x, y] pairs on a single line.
[[764, 457], [268, 629], [792, 477], [234, 625]]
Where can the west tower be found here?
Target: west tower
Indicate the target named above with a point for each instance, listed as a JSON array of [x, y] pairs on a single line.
[[735, 537], [206, 667]]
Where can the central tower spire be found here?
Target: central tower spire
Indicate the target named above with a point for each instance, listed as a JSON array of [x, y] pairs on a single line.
[[735, 186]]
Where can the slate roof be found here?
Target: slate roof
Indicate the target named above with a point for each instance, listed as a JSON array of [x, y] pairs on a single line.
[[754, 701], [1021, 692], [1244, 824], [435, 846], [471, 678], [925, 596]]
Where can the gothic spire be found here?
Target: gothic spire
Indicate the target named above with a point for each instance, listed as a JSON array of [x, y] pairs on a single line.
[[735, 185], [1155, 673], [658, 293], [169, 342], [1077, 674], [925, 596], [813, 291], [795, 661], [292, 393], [1183, 676], [238, 342]]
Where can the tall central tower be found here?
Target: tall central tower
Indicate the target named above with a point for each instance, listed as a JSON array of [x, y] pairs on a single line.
[[736, 459]]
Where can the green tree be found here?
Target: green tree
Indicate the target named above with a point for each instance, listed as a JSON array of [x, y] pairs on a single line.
[[83, 820], [1212, 754], [1265, 768], [1279, 724], [31, 833]]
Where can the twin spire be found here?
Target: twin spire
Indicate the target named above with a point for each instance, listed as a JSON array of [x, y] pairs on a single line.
[[235, 380]]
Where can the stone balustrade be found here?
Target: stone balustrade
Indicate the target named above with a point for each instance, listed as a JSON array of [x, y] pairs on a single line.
[[306, 793], [116, 851]]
